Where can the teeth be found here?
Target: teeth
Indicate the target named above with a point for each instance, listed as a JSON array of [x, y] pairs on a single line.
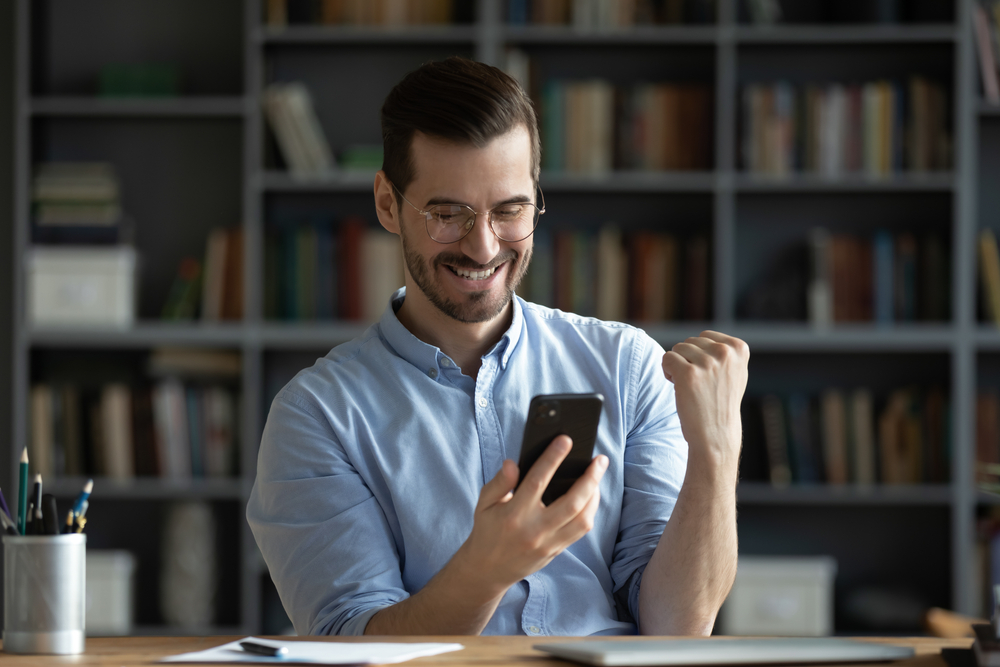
[[475, 275]]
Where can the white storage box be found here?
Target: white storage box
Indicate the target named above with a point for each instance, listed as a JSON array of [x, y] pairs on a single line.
[[781, 596], [109, 592], [91, 286]]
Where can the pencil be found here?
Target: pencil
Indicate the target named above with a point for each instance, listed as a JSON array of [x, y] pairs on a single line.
[[22, 493]]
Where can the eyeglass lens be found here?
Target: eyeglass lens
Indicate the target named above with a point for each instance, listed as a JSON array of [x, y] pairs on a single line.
[[448, 223]]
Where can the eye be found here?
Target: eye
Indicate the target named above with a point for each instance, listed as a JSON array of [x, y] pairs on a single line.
[[449, 215], [508, 212]]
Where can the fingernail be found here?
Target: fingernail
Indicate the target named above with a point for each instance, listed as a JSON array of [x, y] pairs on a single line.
[[603, 462]]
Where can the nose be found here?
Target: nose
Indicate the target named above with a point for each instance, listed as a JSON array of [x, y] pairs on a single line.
[[481, 244]]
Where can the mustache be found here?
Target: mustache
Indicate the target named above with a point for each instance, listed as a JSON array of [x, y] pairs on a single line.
[[460, 261]]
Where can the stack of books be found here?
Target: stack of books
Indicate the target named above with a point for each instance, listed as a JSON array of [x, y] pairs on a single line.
[[876, 128], [835, 437], [76, 202], [591, 127], [643, 276]]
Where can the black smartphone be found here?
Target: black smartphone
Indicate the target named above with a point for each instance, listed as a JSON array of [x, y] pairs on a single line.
[[575, 415]]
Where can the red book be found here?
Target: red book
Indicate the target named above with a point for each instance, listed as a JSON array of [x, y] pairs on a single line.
[[352, 233]]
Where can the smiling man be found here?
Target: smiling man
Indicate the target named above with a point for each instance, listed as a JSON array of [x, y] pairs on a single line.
[[386, 499]]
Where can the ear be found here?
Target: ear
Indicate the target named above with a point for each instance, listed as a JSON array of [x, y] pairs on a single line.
[[385, 203]]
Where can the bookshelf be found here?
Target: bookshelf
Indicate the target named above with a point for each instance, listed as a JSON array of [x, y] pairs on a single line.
[[205, 158]]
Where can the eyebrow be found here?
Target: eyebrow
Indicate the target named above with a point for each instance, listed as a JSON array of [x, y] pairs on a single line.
[[516, 199]]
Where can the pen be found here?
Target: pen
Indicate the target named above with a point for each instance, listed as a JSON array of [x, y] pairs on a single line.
[[263, 649], [8, 524], [50, 515], [3, 505], [22, 493], [29, 523], [68, 528]]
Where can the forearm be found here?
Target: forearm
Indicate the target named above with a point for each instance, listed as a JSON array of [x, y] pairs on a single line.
[[454, 602], [692, 569]]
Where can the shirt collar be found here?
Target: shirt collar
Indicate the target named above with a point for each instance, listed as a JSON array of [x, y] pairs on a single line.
[[427, 357]]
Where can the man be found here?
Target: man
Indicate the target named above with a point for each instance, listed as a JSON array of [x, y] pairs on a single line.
[[385, 499]]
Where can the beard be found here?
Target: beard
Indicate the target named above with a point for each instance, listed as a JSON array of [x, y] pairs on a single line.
[[477, 306]]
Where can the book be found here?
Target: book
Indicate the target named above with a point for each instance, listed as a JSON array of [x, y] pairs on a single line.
[[194, 362], [834, 428], [382, 265], [289, 110], [820, 297], [863, 437], [987, 434], [41, 451], [171, 427], [987, 59], [989, 272], [775, 438], [804, 445], [213, 283], [116, 432], [612, 275]]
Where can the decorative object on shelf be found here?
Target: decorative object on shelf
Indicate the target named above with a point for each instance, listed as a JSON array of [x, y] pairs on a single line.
[[139, 80], [90, 286], [188, 573]]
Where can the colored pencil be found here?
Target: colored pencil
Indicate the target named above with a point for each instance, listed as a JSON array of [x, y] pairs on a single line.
[[22, 493]]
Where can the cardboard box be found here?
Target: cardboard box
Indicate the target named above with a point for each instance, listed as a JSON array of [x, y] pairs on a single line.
[[110, 608], [781, 596], [81, 286]]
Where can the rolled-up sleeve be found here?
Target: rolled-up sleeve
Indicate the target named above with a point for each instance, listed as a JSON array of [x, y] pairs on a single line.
[[323, 535], [655, 462]]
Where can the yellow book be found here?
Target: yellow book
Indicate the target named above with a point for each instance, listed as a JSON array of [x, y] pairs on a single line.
[[989, 270]]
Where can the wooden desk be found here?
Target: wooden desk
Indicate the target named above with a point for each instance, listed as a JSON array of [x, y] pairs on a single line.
[[479, 651]]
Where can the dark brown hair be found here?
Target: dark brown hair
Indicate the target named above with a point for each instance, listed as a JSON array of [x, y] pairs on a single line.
[[457, 99]]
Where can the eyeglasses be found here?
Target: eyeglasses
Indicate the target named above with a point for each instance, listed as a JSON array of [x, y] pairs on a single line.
[[449, 223]]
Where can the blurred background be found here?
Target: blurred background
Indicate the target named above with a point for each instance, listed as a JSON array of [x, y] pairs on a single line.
[[187, 221]]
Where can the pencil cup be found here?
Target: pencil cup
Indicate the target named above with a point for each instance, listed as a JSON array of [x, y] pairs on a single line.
[[44, 594]]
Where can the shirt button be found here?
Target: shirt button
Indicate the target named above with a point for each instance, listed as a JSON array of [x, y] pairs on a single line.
[[432, 373], [534, 629], [446, 361], [482, 402]]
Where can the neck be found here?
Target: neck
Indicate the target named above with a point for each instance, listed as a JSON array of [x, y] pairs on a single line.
[[464, 342]]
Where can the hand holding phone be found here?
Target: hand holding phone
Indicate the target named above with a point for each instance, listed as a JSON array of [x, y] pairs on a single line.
[[574, 415]]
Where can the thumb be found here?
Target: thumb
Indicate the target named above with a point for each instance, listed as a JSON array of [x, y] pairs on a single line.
[[500, 487]]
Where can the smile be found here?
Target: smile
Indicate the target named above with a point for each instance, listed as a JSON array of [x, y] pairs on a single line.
[[474, 275]]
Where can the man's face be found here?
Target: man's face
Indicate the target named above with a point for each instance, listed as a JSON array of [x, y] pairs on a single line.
[[451, 276]]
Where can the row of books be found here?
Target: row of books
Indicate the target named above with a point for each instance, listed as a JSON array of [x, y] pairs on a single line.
[[77, 203], [168, 430], [180, 423], [876, 128], [638, 276], [593, 127], [213, 290], [364, 12], [986, 18], [840, 437], [770, 12], [321, 270], [832, 278], [591, 14], [289, 110], [987, 569]]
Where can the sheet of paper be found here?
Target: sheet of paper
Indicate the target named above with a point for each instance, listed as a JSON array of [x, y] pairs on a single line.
[[317, 653]]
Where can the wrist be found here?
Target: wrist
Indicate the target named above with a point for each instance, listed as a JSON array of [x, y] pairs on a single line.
[[468, 577]]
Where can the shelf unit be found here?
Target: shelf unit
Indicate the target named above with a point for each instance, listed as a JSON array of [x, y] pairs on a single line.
[[249, 187]]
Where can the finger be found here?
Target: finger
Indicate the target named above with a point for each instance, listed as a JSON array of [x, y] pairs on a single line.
[[499, 488], [538, 477], [571, 503], [732, 341], [581, 524]]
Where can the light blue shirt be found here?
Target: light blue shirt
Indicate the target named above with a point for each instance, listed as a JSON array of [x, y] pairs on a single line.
[[372, 461]]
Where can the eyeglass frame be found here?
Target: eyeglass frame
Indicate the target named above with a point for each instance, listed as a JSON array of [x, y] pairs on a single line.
[[488, 213]]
